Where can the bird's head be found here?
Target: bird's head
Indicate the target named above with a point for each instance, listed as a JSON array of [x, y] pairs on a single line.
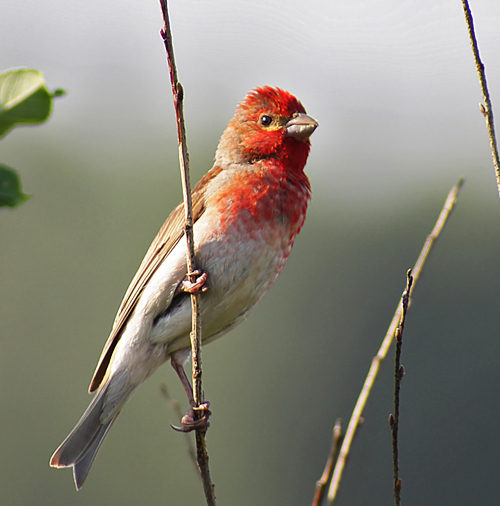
[[270, 123]]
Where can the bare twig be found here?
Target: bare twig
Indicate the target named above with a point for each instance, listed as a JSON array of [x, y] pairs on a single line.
[[174, 404], [322, 483], [386, 343], [178, 95], [487, 108], [398, 377]]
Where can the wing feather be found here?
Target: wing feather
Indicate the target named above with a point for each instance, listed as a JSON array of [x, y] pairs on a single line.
[[169, 235]]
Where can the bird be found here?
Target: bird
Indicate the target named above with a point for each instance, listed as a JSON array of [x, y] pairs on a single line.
[[247, 211]]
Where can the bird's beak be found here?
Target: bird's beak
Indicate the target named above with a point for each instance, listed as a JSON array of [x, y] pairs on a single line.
[[301, 127]]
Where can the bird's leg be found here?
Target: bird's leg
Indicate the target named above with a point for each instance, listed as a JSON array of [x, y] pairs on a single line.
[[189, 420], [188, 286], [179, 369]]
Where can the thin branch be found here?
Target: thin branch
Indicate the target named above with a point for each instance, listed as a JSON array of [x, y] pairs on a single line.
[[398, 377], [174, 404], [178, 95], [487, 108], [386, 343], [322, 483]]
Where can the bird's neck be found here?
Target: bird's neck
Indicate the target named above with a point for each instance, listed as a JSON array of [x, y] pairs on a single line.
[[267, 192]]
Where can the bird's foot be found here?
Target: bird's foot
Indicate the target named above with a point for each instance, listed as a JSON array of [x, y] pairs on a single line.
[[188, 286], [190, 422]]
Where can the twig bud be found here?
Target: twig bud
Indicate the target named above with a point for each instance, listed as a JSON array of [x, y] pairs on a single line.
[[401, 372], [180, 91], [391, 420], [397, 334]]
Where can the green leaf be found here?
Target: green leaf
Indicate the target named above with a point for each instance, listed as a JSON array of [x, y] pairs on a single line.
[[24, 98], [10, 188]]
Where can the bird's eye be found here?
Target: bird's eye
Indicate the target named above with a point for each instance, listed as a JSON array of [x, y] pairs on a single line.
[[266, 120]]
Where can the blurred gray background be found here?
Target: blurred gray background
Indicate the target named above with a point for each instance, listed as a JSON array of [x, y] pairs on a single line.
[[394, 88]]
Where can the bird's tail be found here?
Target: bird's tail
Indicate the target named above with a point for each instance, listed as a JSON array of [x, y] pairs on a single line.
[[81, 446]]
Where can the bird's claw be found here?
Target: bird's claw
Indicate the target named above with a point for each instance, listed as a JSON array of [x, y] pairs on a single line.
[[201, 424], [190, 423], [188, 286]]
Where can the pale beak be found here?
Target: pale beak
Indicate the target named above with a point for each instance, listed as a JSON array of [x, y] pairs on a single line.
[[301, 127]]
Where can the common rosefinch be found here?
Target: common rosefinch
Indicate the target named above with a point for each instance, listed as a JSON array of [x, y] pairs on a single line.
[[247, 211]]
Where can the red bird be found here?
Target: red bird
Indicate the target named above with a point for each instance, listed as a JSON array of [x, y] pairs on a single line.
[[247, 211]]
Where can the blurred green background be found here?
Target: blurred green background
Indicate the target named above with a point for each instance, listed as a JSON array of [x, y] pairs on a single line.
[[394, 88]]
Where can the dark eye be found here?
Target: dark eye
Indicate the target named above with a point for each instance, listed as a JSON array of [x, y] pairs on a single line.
[[266, 120]]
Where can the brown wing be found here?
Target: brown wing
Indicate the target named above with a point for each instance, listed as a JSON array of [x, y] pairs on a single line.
[[168, 236]]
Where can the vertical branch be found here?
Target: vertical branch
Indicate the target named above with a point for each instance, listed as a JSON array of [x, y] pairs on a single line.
[[322, 483], [175, 406], [398, 377], [487, 108], [386, 343], [178, 96]]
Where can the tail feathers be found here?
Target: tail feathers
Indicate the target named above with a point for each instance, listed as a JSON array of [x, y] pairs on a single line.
[[81, 446], [81, 468]]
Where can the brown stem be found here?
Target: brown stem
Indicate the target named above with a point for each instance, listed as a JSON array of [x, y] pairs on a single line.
[[386, 343], [174, 404], [487, 108], [322, 483], [178, 96], [398, 377]]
